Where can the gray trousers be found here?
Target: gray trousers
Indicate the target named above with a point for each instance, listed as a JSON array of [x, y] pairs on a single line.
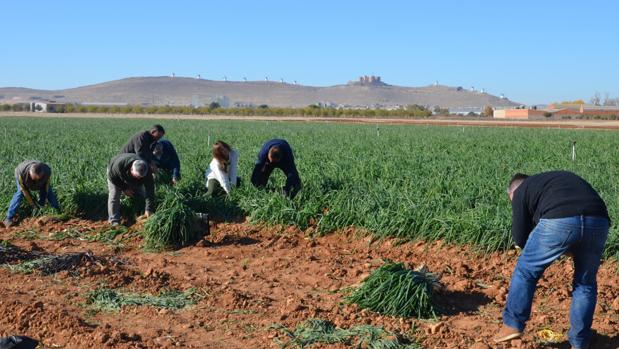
[[113, 201]]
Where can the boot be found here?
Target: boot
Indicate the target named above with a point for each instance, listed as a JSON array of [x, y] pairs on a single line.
[[506, 333]]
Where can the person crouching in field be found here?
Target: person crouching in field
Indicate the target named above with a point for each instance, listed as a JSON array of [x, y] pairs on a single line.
[[131, 175], [31, 175], [221, 174], [555, 213], [142, 142], [166, 160], [277, 153]]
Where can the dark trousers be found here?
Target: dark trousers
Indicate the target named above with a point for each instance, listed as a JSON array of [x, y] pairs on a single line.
[[260, 178]]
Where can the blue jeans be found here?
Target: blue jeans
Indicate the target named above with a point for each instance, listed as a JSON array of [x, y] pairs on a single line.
[[584, 237], [44, 195]]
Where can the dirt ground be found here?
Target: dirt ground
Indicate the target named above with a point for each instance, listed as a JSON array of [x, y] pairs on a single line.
[[252, 277], [437, 121]]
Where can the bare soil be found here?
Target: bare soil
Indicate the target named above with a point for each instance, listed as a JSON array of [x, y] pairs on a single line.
[[436, 121], [252, 277]]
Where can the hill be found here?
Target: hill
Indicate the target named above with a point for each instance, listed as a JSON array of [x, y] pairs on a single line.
[[186, 91]]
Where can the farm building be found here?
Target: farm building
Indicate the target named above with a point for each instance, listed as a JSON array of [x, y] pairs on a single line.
[[48, 107], [558, 110]]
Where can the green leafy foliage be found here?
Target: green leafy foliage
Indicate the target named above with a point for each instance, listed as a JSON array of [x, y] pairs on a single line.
[[112, 300], [394, 290], [408, 182], [317, 331], [172, 225]]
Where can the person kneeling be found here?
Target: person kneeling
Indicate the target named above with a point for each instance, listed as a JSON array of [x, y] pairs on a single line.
[[221, 172]]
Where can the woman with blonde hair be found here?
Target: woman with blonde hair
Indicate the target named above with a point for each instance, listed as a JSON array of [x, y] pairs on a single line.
[[222, 171]]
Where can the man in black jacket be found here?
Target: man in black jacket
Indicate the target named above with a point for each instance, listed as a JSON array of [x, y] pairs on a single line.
[[131, 175], [555, 213], [141, 143]]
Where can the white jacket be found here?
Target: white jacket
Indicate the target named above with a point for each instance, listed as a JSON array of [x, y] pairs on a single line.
[[225, 179]]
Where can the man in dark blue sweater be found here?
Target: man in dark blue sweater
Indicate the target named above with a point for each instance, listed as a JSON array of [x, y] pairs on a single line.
[[555, 213], [166, 159], [277, 153]]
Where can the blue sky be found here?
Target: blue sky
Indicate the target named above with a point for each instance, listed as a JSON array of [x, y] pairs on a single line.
[[532, 51]]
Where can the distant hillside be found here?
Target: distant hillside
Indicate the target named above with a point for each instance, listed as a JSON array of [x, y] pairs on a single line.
[[187, 91]]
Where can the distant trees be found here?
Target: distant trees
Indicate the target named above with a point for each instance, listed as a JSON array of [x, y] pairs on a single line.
[[488, 111], [440, 111]]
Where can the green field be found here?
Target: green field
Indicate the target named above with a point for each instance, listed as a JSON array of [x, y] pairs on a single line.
[[412, 182]]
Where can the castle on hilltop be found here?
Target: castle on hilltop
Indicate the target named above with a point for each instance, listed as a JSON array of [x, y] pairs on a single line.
[[366, 80]]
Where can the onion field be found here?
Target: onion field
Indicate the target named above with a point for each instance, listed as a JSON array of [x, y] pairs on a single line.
[[408, 182]]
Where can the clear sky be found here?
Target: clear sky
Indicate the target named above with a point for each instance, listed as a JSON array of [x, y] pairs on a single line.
[[532, 51]]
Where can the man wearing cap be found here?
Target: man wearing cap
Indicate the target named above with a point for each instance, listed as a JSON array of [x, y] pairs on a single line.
[[31, 175], [166, 159], [142, 143], [131, 175], [555, 213]]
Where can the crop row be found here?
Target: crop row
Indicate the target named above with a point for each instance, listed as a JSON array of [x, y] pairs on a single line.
[[409, 182]]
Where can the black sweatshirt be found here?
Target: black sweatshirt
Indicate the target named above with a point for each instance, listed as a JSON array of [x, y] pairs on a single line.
[[140, 144], [556, 194]]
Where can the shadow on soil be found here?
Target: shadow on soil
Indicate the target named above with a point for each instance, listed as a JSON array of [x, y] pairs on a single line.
[[459, 302], [599, 341], [230, 240]]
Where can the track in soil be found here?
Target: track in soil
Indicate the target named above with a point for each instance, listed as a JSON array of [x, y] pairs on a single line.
[[252, 277]]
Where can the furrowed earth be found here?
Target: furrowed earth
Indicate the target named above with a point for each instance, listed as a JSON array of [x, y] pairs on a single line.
[[248, 277]]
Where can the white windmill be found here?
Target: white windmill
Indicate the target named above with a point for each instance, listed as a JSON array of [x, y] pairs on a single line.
[[245, 79], [198, 76], [266, 78], [225, 78], [281, 80], [172, 75], [295, 82]]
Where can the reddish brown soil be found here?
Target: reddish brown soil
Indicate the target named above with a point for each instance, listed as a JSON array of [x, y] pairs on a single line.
[[253, 277]]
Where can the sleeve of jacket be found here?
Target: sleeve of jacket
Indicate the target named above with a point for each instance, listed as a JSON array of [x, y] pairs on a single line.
[[221, 176], [234, 165], [262, 154], [142, 147], [176, 163], [522, 221], [113, 174]]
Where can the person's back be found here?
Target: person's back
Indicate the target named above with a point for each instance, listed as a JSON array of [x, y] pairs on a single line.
[[141, 142], [287, 156], [22, 173], [559, 194], [555, 194]]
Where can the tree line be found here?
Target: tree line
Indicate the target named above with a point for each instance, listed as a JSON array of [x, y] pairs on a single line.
[[411, 111]]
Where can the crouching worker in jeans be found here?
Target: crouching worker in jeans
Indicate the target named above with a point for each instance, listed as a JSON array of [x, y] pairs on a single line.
[[221, 174], [31, 175], [555, 213], [131, 175], [277, 153]]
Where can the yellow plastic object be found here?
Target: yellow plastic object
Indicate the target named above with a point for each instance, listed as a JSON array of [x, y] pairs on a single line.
[[550, 336]]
